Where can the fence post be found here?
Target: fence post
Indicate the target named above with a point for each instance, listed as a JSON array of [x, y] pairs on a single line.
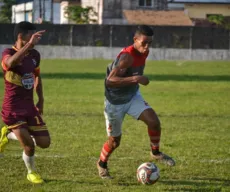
[[71, 35], [111, 36], [229, 40], [228, 55], [71, 41], [190, 42]]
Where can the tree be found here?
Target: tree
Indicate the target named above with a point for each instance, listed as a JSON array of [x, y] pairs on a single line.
[[220, 20], [80, 15], [6, 11]]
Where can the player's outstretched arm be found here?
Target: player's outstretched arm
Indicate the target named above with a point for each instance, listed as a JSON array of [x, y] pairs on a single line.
[[115, 78], [12, 61]]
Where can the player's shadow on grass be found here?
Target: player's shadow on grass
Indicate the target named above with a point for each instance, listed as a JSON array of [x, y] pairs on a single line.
[[95, 114], [194, 190], [157, 77], [75, 114], [201, 184], [195, 116], [99, 182], [122, 182]]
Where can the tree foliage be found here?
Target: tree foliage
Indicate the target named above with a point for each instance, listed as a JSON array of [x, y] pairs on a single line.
[[80, 15], [6, 11], [220, 20]]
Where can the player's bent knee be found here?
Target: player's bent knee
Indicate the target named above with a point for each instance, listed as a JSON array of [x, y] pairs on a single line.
[[114, 142], [43, 142], [44, 145], [29, 150], [154, 124]]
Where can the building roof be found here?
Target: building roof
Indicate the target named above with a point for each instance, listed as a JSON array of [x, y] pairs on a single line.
[[150, 17], [201, 1]]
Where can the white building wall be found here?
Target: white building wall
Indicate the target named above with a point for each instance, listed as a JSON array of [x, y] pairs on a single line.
[[63, 18], [19, 11], [101, 7]]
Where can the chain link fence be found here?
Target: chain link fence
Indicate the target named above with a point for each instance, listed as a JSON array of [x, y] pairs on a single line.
[[121, 35]]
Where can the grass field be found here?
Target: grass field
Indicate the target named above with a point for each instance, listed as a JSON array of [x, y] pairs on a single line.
[[192, 100]]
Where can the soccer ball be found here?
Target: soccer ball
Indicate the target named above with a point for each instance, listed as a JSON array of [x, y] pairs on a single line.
[[148, 173]]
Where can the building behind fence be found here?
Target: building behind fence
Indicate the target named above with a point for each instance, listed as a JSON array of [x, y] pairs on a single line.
[[120, 36]]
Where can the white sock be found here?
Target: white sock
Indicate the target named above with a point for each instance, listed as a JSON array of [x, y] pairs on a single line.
[[12, 136], [29, 162]]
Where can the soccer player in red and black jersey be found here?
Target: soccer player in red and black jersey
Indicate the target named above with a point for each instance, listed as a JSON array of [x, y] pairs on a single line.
[[20, 65], [123, 97]]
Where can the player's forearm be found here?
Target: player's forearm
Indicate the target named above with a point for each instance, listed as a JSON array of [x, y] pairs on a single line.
[[15, 59], [121, 81], [38, 88]]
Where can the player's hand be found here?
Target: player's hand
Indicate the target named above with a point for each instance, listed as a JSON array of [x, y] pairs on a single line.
[[39, 107], [36, 37], [142, 80]]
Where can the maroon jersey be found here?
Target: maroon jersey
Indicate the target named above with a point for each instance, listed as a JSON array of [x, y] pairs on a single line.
[[19, 83]]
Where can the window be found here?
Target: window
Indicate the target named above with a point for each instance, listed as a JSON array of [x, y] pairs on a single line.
[[28, 16], [146, 3]]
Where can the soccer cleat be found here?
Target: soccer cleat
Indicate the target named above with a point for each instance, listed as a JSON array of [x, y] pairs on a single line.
[[34, 178], [163, 158], [3, 139], [103, 172]]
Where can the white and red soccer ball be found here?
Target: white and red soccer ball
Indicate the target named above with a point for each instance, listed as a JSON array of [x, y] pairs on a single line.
[[148, 173]]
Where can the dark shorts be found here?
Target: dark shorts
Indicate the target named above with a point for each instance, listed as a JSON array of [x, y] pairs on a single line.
[[33, 122]]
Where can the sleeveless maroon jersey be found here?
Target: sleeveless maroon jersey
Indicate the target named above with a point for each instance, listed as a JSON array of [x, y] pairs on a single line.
[[19, 83]]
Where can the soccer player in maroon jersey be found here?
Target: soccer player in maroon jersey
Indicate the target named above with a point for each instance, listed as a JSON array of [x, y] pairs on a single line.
[[20, 65], [123, 97]]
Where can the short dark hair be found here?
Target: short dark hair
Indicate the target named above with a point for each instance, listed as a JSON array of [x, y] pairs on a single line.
[[144, 30], [23, 27]]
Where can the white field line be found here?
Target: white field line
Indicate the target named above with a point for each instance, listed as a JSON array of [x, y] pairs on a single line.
[[215, 161], [64, 156], [180, 63]]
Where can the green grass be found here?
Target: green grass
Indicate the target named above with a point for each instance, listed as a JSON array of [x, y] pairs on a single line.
[[192, 100]]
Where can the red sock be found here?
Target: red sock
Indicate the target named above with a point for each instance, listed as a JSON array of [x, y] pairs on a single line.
[[154, 136], [105, 152]]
